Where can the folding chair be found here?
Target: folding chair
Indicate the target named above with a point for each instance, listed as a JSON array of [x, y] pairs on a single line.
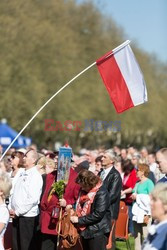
[[122, 207], [109, 244], [121, 230]]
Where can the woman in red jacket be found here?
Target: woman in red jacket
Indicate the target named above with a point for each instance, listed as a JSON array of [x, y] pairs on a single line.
[[49, 210], [129, 182]]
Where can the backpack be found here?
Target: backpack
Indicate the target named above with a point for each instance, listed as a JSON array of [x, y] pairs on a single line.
[[69, 233]]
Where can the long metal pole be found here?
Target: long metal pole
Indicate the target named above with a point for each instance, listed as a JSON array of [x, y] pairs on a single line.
[[113, 51]]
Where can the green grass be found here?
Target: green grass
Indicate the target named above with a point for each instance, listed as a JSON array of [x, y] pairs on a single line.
[[121, 245]]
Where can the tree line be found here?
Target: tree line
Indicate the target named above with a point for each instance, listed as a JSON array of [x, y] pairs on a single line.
[[44, 44]]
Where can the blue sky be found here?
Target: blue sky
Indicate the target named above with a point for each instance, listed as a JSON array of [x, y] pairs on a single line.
[[143, 21]]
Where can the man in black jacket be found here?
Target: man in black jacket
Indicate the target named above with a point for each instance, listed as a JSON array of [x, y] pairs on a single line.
[[113, 182]]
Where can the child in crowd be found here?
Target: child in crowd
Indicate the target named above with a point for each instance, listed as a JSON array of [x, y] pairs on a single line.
[[5, 187]]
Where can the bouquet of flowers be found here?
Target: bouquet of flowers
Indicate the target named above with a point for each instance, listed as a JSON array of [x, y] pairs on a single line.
[[58, 188]]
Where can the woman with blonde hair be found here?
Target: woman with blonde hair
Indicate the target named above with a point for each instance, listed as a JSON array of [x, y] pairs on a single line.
[[41, 164], [50, 165], [157, 237]]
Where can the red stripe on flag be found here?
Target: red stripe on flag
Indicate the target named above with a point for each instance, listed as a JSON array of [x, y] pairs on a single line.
[[115, 83]]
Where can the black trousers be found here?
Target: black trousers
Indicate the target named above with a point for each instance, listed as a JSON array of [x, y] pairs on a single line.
[[97, 243], [48, 242], [24, 233]]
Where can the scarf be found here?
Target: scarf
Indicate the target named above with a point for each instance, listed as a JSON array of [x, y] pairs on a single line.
[[85, 201]]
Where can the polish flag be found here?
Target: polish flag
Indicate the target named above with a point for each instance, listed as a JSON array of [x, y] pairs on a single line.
[[123, 78]]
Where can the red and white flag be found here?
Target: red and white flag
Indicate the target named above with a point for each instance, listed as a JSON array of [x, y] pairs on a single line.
[[123, 78]]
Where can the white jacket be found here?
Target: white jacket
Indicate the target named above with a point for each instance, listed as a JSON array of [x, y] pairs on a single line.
[[141, 207]]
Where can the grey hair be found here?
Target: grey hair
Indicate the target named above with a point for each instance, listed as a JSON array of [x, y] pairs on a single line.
[[111, 154], [34, 154]]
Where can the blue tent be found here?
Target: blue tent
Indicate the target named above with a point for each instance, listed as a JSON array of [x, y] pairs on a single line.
[[7, 135]]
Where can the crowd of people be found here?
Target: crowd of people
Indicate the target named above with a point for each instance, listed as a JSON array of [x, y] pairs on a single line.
[[98, 180]]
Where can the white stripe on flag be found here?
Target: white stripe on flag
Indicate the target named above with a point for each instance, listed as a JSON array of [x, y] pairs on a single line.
[[132, 75]]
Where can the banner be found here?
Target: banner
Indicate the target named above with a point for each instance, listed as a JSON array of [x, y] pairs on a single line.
[[64, 162]]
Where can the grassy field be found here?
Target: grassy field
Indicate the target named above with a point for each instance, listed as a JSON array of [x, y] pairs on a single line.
[[121, 245]]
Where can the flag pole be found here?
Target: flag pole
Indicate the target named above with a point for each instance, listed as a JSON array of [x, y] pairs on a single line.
[[43, 106], [119, 48]]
